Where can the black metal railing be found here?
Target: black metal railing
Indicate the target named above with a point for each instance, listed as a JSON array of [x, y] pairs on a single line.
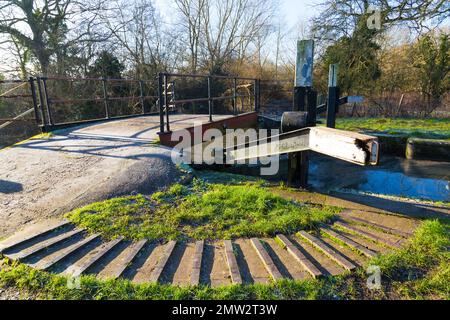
[[17, 111], [210, 99], [62, 101], [92, 99]]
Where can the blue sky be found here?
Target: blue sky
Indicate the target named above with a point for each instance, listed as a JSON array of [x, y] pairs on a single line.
[[292, 11], [295, 11]]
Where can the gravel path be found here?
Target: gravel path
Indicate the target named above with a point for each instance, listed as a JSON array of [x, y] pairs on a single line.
[[45, 178]]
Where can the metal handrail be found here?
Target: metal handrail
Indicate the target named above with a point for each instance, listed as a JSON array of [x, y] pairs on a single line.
[[95, 79], [163, 79], [187, 75], [4, 94], [44, 104], [4, 125]]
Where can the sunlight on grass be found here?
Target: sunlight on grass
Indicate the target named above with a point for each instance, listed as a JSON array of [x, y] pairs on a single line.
[[422, 268], [200, 211], [421, 128]]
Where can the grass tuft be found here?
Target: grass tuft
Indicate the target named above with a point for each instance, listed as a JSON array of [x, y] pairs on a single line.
[[200, 211], [422, 268]]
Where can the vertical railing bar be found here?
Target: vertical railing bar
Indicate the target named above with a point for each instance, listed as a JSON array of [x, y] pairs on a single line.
[[33, 97], [161, 102], [41, 103], [47, 102], [166, 102], [234, 96], [255, 93], [141, 88], [105, 98], [209, 99], [259, 94]]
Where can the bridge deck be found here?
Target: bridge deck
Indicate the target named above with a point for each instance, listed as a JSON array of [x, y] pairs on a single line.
[[143, 128]]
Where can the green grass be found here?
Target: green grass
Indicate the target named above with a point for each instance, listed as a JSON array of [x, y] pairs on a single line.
[[200, 211], [40, 136], [422, 268], [43, 285], [420, 128], [418, 271]]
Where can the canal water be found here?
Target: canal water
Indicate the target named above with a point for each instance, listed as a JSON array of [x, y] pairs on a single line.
[[394, 176]]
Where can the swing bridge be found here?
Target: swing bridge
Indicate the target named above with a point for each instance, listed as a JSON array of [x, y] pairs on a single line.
[[158, 109]]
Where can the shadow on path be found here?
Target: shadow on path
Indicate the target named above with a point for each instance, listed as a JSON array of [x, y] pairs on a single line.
[[10, 186]]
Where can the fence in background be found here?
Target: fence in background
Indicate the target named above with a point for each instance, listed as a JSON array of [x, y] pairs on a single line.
[[54, 102], [213, 94], [17, 114]]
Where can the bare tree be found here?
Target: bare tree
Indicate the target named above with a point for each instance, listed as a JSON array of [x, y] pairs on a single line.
[[191, 11], [139, 36], [16, 57], [217, 32], [49, 27], [230, 28], [340, 17]]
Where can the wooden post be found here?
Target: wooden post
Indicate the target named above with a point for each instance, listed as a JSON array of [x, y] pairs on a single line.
[[333, 96], [161, 102], [105, 98], [399, 107]]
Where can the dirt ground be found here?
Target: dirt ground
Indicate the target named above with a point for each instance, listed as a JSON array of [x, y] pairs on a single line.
[[45, 178]]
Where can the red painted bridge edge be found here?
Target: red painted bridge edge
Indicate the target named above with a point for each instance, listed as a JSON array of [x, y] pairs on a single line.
[[245, 120]]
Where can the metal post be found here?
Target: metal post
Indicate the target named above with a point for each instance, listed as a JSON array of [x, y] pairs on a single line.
[[234, 96], [311, 107], [298, 163], [105, 98], [172, 92], [33, 97], [209, 99], [259, 95], [141, 97], [166, 102], [299, 99], [161, 102], [333, 96], [47, 102], [333, 100], [41, 104], [255, 93]]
